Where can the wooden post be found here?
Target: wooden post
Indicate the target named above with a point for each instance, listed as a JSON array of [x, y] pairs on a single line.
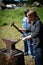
[[15, 58]]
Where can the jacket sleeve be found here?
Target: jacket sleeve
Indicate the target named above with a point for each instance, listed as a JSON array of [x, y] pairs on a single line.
[[37, 29]]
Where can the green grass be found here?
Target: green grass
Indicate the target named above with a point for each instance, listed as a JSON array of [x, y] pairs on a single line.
[[40, 13], [10, 15]]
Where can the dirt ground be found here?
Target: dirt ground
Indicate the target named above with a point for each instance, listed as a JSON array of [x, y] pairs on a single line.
[[29, 60]]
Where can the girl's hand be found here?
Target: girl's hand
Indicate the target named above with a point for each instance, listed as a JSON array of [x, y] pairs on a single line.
[[23, 38], [27, 37]]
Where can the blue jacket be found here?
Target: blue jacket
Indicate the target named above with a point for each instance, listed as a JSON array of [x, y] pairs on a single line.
[[26, 25]]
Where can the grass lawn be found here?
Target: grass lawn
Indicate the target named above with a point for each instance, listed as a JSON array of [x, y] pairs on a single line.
[[7, 17]]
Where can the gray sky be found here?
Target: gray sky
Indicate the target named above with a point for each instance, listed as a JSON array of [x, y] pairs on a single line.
[[19, 0], [16, 0], [0, 0]]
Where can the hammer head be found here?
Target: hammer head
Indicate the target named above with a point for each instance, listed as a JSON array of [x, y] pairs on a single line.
[[12, 24]]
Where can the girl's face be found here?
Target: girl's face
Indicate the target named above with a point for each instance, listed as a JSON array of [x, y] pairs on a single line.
[[31, 17]]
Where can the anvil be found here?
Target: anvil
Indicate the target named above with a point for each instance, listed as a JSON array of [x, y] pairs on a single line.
[[10, 44]]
